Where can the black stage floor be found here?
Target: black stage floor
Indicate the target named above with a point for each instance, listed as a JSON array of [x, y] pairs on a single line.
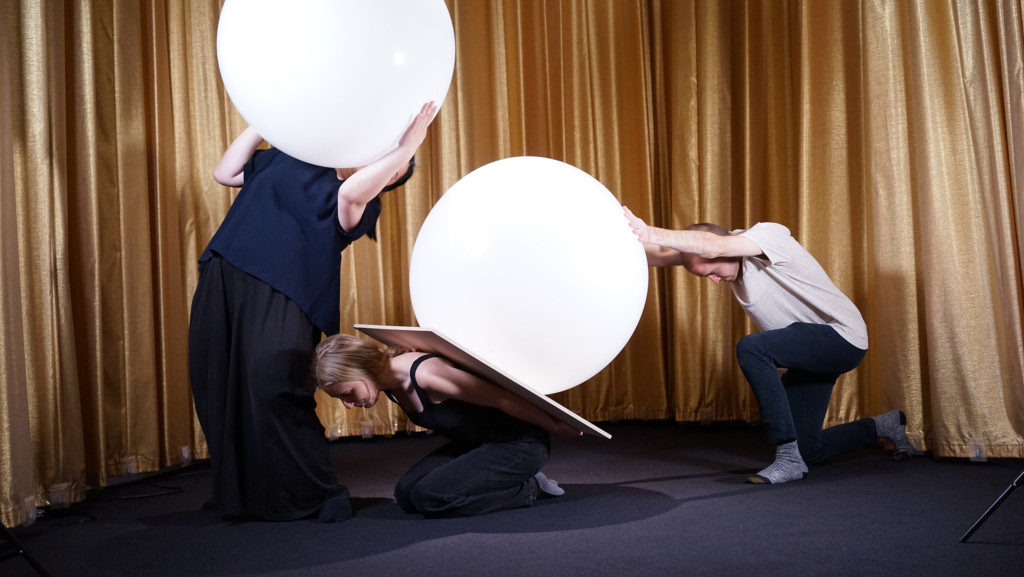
[[656, 499]]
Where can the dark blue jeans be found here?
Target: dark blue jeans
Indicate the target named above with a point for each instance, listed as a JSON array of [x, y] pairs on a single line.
[[460, 479], [793, 406]]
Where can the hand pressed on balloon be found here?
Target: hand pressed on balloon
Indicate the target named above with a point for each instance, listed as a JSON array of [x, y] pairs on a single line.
[[640, 228], [324, 49], [417, 130], [360, 185]]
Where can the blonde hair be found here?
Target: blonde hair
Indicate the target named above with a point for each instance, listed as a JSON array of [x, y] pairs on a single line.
[[342, 357]]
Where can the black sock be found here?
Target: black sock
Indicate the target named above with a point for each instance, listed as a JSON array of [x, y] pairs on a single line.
[[336, 509]]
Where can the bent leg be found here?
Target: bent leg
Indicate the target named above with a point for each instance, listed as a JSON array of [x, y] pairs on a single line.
[[435, 460], [814, 356], [490, 477], [809, 396]]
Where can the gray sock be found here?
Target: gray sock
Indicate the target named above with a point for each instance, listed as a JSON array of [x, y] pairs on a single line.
[[893, 426], [548, 486], [788, 466]]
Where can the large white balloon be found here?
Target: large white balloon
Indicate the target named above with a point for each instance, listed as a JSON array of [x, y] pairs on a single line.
[[529, 263], [334, 82]]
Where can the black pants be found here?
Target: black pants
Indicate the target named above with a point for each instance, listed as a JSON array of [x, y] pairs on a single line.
[[462, 479], [250, 349]]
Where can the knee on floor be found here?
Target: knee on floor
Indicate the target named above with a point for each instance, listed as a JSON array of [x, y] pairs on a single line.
[[432, 501]]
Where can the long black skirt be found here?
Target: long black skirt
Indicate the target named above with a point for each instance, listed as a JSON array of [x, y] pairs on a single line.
[[250, 349]]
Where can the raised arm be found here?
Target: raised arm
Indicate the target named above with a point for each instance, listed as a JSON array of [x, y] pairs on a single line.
[[367, 182], [698, 242], [442, 380], [230, 170]]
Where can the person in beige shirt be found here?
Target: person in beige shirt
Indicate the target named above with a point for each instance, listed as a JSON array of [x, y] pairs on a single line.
[[808, 327]]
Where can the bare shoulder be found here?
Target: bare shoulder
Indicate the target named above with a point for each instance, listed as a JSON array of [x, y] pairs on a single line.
[[429, 368], [405, 361]]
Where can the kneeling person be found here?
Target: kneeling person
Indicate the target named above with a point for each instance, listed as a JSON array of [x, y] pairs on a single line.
[[807, 326], [497, 445]]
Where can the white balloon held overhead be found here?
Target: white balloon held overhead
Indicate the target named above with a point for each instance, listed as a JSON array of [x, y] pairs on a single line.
[[529, 263], [334, 82]]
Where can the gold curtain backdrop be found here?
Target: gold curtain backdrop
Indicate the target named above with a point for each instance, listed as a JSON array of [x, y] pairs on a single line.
[[888, 135]]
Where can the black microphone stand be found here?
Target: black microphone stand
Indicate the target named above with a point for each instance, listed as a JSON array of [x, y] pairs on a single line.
[[992, 508]]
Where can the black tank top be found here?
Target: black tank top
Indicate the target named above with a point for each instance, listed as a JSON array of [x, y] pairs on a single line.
[[462, 421]]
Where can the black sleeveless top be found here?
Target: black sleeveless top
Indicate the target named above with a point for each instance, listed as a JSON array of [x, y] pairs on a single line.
[[283, 229], [462, 421]]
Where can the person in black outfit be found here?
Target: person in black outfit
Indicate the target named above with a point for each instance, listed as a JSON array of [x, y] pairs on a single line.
[[269, 285], [498, 442]]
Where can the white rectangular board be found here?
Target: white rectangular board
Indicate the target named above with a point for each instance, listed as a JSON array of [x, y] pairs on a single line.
[[431, 341]]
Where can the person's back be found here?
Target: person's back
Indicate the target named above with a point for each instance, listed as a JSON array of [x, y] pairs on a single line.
[[788, 285]]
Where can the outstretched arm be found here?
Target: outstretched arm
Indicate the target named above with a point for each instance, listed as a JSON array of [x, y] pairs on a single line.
[[698, 242], [442, 380], [658, 255], [367, 182], [230, 171]]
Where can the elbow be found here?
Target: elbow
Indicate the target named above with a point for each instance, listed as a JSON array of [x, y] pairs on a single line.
[[218, 174], [225, 177]]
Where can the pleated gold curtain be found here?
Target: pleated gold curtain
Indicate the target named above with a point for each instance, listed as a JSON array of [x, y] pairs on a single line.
[[886, 134]]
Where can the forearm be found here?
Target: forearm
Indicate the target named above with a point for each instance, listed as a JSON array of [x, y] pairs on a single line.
[[696, 242], [444, 381], [229, 170], [672, 242], [367, 182], [659, 256], [517, 407]]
